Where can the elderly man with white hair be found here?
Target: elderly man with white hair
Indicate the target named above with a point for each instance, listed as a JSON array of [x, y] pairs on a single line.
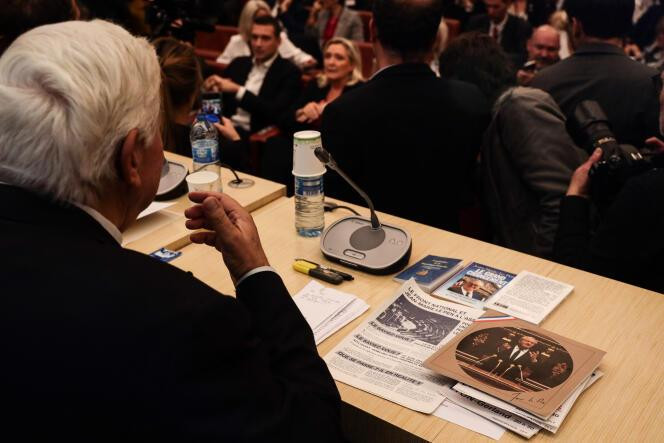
[[103, 343]]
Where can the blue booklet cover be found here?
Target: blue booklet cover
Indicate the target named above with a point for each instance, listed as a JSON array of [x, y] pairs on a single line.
[[429, 272]]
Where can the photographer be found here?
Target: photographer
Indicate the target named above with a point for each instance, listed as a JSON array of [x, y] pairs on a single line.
[[628, 244]]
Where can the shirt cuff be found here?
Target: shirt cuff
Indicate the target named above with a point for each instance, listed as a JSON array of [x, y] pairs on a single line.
[[255, 271], [240, 93]]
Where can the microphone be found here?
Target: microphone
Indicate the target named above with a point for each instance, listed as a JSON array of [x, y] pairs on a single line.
[[363, 243], [326, 158]]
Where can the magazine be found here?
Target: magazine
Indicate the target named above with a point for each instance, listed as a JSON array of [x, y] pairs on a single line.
[[429, 272], [474, 285]]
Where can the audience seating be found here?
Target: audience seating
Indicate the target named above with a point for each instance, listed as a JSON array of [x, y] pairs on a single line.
[[216, 40], [365, 16], [368, 58]]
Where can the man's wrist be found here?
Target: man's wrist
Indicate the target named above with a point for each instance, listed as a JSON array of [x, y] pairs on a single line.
[[248, 274]]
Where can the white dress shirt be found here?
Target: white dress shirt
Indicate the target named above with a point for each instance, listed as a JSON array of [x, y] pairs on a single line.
[[253, 84], [237, 47]]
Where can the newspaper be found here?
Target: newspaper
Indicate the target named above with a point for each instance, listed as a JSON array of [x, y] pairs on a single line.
[[530, 297], [511, 417], [384, 354]]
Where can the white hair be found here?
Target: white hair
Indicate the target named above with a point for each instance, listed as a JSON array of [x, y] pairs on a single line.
[[69, 95]]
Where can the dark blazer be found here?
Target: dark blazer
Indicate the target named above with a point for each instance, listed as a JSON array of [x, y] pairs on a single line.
[[628, 244], [410, 140], [514, 37], [280, 89], [627, 90], [104, 343]]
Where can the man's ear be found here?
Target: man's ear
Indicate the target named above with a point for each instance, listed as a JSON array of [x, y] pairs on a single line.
[[129, 160]]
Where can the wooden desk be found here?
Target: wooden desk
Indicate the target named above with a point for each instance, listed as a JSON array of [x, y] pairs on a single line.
[[166, 228], [627, 404]]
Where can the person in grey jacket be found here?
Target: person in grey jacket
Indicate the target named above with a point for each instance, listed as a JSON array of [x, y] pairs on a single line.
[[527, 161], [330, 18]]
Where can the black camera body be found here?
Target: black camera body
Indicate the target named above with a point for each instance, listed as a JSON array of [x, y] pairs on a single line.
[[619, 162]]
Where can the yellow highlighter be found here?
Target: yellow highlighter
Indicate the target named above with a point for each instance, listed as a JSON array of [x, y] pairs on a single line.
[[316, 271]]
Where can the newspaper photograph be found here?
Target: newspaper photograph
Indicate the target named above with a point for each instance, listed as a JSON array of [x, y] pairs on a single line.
[[384, 354]]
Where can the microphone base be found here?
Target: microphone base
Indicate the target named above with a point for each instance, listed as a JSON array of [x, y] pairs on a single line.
[[352, 242]]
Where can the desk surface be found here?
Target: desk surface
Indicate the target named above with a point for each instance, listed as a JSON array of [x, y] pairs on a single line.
[[626, 404], [166, 228]]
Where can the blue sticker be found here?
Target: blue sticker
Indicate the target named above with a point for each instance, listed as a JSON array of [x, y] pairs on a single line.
[[165, 255]]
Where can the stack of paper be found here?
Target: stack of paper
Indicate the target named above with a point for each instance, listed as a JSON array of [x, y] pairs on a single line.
[[327, 310], [515, 373]]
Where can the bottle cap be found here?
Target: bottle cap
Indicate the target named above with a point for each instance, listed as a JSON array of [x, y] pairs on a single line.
[[305, 163]]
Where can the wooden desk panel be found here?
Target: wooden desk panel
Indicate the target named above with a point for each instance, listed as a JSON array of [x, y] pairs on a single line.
[[626, 404], [166, 228]]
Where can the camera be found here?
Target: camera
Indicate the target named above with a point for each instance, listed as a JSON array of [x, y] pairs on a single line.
[[176, 18], [619, 162]]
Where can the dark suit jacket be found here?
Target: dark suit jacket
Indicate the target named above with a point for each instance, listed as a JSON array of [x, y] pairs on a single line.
[[628, 244], [280, 89], [457, 289], [514, 37], [627, 90], [104, 343], [409, 140]]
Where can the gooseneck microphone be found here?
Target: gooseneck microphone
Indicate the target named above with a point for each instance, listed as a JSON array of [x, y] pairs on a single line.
[[326, 158], [363, 243]]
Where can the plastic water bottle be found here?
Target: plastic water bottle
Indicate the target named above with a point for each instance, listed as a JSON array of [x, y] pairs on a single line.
[[205, 146], [309, 211]]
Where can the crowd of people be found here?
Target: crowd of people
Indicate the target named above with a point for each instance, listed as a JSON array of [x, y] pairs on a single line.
[[490, 124]]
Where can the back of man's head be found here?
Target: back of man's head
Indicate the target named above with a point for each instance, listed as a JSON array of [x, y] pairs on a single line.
[[19, 16], [70, 94], [407, 27], [602, 18]]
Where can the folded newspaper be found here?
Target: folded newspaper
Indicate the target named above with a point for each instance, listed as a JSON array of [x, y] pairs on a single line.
[[384, 354]]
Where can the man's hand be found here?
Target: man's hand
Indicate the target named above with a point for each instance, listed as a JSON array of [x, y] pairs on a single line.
[[214, 83], [533, 356], [231, 230], [227, 130], [579, 185]]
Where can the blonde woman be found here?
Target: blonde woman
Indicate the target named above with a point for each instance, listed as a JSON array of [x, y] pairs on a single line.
[[342, 71], [239, 46]]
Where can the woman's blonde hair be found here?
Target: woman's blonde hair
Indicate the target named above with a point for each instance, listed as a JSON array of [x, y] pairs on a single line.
[[247, 17], [353, 56]]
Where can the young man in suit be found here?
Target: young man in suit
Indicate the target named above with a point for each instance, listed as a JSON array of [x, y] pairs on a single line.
[[599, 70], [408, 138], [104, 343], [511, 32], [258, 89]]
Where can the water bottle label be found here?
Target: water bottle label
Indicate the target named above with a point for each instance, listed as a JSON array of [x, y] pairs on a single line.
[[309, 187], [205, 151]]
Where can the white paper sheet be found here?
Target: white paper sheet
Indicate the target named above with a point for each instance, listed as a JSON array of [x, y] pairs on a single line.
[[469, 420], [529, 297], [154, 207], [319, 303]]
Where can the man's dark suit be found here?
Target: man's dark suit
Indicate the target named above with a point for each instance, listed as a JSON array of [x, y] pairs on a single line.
[[513, 38], [627, 91], [103, 343], [506, 359], [409, 140], [279, 91], [457, 289]]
